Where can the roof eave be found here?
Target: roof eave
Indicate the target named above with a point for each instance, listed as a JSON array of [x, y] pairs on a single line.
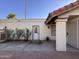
[[54, 15]]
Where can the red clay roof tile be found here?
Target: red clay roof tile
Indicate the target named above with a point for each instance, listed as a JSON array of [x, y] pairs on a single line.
[[63, 9]]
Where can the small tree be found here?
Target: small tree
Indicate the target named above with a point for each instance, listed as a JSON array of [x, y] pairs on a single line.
[[23, 33], [11, 16], [19, 33], [27, 34], [9, 33]]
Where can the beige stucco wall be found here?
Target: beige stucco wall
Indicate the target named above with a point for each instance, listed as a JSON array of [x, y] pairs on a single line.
[[72, 12], [72, 32], [60, 35], [73, 37], [12, 24]]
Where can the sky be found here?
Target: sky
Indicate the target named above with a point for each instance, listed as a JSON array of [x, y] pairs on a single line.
[[35, 9]]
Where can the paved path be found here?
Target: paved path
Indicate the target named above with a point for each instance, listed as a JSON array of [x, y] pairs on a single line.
[[39, 55], [30, 46], [29, 50], [26, 46]]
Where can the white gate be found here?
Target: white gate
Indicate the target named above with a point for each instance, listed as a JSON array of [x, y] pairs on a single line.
[[35, 32]]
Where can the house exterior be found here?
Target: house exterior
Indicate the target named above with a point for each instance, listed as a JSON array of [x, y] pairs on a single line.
[[65, 22], [37, 27]]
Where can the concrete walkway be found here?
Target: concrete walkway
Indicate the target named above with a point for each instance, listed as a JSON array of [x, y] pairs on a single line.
[[30, 46], [26, 46], [29, 50], [39, 55]]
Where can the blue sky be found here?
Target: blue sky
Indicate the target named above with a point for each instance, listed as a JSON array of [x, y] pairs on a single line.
[[35, 8]]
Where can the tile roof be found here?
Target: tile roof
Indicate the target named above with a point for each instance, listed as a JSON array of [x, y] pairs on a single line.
[[62, 10]]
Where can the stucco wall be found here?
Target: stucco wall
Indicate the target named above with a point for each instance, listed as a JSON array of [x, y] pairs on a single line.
[[12, 24], [72, 12], [72, 32], [73, 37]]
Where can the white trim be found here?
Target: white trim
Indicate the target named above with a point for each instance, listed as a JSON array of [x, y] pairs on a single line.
[[12, 21], [61, 20]]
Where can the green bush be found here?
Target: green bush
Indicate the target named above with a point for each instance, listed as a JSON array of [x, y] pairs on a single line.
[[17, 33]]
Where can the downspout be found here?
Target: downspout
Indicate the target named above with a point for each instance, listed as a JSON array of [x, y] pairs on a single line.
[[77, 34]]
